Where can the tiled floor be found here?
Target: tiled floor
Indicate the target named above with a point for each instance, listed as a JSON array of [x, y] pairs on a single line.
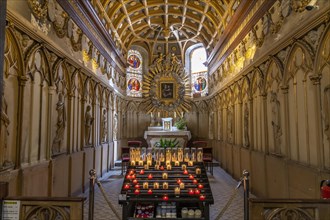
[[222, 188]]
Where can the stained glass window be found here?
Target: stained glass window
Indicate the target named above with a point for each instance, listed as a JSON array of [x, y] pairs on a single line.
[[134, 74], [199, 76]]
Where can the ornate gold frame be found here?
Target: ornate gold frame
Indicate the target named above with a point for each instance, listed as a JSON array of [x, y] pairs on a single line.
[[174, 96]]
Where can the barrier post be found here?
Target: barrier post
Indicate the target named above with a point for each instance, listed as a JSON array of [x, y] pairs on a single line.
[[246, 185], [92, 174]]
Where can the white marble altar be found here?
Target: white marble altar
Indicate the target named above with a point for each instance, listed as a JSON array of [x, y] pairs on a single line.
[[154, 135]]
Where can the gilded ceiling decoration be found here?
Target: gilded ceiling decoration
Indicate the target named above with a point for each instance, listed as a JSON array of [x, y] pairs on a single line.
[[166, 86], [165, 21]]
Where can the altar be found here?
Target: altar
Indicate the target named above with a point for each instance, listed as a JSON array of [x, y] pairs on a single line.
[[154, 134]]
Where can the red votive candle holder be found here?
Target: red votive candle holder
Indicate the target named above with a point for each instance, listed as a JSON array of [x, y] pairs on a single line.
[[150, 176], [131, 172], [191, 176], [137, 192], [200, 186], [149, 191], [185, 172], [141, 172], [165, 197], [191, 192], [195, 181], [126, 186], [197, 192], [202, 197], [179, 181], [135, 181], [137, 186]]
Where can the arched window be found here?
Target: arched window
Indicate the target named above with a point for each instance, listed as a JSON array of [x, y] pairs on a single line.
[[134, 73], [198, 70]]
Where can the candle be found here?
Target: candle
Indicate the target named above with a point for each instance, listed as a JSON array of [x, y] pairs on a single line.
[[202, 197], [132, 163], [156, 167], [185, 172], [140, 162], [149, 162], [168, 162], [141, 172], [165, 175], [195, 181], [145, 185], [200, 186], [169, 167], [131, 172], [191, 192], [149, 191], [176, 190], [191, 176], [135, 181], [190, 163], [156, 185], [128, 177], [150, 176], [161, 167], [181, 185], [179, 181], [137, 186], [165, 197], [146, 166], [137, 192], [197, 192], [165, 185], [177, 163], [198, 171], [133, 176], [184, 166], [126, 186]]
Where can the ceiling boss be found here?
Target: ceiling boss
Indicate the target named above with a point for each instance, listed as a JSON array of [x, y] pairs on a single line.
[[166, 86]]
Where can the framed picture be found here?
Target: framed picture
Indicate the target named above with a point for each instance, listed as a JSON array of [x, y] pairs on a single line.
[[167, 90]]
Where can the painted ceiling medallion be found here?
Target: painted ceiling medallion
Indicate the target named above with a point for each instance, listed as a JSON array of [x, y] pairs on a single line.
[[166, 86]]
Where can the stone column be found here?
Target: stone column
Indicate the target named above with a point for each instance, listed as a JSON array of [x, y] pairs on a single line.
[[51, 92], [286, 130]]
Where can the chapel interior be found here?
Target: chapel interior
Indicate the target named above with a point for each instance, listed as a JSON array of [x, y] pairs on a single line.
[[81, 79]]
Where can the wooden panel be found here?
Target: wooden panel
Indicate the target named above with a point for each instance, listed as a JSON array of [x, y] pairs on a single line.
[[98, 160], [88, 164], [276, 177], [77, 161], [237, 162], [105, 155], [257, 173], [60, 178], [33, 177]]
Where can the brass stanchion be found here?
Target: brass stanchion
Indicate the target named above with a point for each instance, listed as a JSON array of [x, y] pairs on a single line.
[[92, 174], [246, 185]]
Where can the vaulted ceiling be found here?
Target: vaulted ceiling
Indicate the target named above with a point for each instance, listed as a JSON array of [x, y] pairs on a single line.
[[167, 22]]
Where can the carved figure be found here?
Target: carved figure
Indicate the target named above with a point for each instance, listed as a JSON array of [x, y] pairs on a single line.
[[276, 121], [230, 125], [105, 125], [159, 59], [174, 59], [246, 126], [89, 119], [4, 133], [115, 126], [326, 111], [61, 119]]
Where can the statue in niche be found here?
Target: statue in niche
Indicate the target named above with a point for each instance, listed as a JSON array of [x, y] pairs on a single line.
[[230, 125], [4, 133], [246, 126], [89, 119], [115, 126], [61, 119], [104, 125], [326, 111], [276, 121]]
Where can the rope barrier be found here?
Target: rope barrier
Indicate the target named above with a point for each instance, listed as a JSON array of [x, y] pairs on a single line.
[[107, 200], [224, 209]]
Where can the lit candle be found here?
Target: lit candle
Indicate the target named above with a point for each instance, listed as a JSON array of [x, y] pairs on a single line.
[[132, 163], [198, 171], [165, 198], [168, 162], [137, 192], [149, 191], [181, 185], [184, 166], [185, 172], [169, 167], [146, 166], [140, 162], [141, 172], [145, 185], [190, 163], [195, 181], [149, 162], [161, 167], [179, 181], [191, 176], [135, 181], [202, 197], [191, 192], [176, 163], [126, 186], [156, 167], [156, 185], [200, 186], [197, 192], [128, 177], [176, 190], [165, 185], [131, 172], [165, 175], [137, 186], [150, 176]]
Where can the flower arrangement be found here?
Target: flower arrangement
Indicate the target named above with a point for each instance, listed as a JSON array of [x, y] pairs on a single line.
[[180, 124], [164, 143]]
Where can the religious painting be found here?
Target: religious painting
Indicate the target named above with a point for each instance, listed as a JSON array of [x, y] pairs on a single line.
[[167, 90], [200, 84], [133, 84], [134, 61]]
